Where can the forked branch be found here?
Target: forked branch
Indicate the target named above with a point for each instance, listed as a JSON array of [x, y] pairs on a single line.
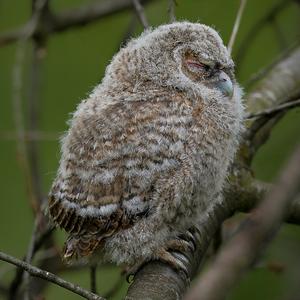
[[254, 234]]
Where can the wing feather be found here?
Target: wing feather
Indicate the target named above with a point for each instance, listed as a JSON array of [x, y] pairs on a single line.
[[111, 163]]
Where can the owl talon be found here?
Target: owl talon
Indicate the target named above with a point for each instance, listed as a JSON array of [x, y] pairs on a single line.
[[174, 260], [181, 245], [189, 237]]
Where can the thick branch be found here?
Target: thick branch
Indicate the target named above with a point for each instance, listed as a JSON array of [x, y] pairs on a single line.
[[281, 84], [242, 194], [252, 236], [278, 86], [88, 13], [158, 281]]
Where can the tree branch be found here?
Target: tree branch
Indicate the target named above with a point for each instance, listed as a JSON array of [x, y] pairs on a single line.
[[34, 95], [36, 272], [157, 280], [275, 110], [253, 33], [279, 85], [140, 13], [265, 70], [236, 25], [37, 243], [242, 250], [171, 10], [65, 20]]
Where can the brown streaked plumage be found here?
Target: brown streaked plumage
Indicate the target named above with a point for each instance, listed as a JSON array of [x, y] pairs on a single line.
[[148, 150]]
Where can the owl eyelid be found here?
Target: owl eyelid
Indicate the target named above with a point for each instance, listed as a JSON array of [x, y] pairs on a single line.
[[198, 65]]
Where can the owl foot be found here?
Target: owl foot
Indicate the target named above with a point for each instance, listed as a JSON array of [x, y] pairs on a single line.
[[176, 260], [181, 245], [173, 254]]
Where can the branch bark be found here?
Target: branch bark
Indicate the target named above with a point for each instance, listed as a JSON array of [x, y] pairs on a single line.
[[158, 281], [253, 235], [280, 84]]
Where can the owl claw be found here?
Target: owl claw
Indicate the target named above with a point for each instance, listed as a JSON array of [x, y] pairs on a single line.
[[174, 260], [172, 254], [181, 245], [189, 237]]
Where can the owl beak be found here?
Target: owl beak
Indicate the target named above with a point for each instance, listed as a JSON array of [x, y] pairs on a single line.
[[225, 85]]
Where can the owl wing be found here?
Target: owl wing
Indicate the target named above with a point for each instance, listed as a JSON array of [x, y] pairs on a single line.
[[113, 162]]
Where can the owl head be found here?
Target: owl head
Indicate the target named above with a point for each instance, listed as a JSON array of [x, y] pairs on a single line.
[[182, 55]]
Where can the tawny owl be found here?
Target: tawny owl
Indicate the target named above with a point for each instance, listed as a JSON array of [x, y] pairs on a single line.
[[149, 149]]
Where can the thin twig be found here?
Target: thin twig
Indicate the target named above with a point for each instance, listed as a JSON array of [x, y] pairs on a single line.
[[236, 25], [253, 33], [93, 278], [18, 119], [253, 235], [273, 90], [140, 13], [29, 257], [33, 118], [264, 121], [36, 272], [261, 73], [171, 10], [17, 98], [17, 103], [38, 243], [275, 110]]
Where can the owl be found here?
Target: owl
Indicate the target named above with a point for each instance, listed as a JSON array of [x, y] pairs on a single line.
[[148, 151]]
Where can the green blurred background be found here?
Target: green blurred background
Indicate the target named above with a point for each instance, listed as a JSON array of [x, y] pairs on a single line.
[[75, 63]]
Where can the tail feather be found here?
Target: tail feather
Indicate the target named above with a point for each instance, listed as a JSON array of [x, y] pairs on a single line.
[[77, 247]]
